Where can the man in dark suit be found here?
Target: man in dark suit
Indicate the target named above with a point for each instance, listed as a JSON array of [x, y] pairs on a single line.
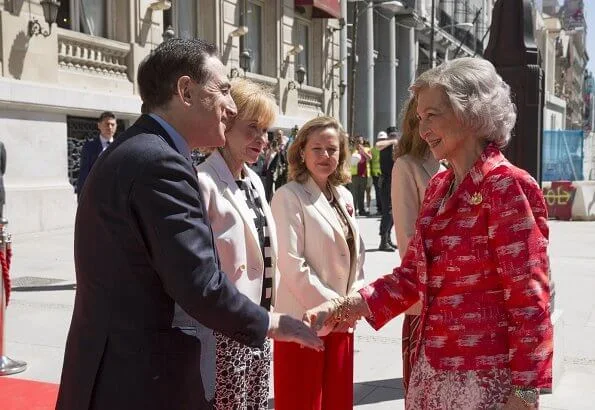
[[143, 246], [387, 161], [275, 167], [107, 126]]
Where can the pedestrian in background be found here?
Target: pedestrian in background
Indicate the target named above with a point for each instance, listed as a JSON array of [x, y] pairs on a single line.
[[386, 147], [413, 168], [274, 168], [375, 172], [368, 189], [360, 169], [92, 148], [321, 257]]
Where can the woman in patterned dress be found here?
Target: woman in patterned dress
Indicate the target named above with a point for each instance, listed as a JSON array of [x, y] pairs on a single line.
[[321, 256], [244, 232], [477, 261]]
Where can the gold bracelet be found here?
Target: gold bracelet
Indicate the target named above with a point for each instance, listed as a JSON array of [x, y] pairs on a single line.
[[343, 309], [337, 308]]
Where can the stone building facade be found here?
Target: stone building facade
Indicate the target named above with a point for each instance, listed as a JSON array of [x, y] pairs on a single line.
[[52, 88]]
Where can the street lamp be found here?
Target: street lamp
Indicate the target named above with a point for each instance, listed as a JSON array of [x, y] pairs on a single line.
[[168, 34], [301, 75], [50, 14], [391, 6], [245, 58], [342, 87]]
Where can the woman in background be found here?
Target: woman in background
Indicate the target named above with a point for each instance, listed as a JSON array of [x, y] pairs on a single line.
[[413, 168]]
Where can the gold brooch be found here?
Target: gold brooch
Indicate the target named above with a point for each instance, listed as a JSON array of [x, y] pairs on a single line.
[[476, 199]]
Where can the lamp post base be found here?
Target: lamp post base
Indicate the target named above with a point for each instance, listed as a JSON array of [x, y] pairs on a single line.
[[9, 366]]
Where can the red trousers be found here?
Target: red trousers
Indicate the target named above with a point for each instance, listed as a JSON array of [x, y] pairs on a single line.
[[310, 380]]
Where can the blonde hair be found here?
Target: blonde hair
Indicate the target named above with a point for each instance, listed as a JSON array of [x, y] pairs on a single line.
[[410, 141], [253, 102], [297, 167]]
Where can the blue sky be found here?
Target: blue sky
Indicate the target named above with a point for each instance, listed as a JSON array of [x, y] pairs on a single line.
[[590, 17]]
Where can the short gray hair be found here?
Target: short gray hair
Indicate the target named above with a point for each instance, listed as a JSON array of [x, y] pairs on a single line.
[[478, 96]]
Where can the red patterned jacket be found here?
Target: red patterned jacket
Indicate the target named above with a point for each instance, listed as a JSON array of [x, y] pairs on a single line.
[[478, 263]]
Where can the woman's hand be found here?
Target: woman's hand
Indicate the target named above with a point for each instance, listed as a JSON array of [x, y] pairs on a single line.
[[339, 313], [318, 317], [516, 403]]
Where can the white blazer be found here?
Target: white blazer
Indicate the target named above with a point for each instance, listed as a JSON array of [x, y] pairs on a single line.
[[314, 259], [410, 177], [236, 237]]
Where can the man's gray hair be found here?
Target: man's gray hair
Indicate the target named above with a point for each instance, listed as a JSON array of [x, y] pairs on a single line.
[[478, 95]]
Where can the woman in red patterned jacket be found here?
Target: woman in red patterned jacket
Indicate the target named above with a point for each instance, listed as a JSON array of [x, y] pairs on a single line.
[[477, 261]]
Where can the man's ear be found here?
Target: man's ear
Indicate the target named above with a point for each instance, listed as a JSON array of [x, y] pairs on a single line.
[[183, 89]]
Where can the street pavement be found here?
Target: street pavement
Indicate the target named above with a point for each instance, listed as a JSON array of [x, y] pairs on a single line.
[[39, 314]]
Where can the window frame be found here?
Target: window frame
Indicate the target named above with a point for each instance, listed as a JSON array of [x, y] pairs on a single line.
[[307, 52], [75, 15], [243, 39]]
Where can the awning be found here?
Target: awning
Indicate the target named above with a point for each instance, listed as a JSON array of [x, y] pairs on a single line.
[[330, 9]]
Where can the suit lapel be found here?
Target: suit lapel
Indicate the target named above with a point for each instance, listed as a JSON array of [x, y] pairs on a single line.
[[355, 231], [232, 192]]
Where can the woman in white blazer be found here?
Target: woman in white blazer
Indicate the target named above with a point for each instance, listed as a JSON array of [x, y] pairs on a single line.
[[321, 257], [244, 233], [413, 168]]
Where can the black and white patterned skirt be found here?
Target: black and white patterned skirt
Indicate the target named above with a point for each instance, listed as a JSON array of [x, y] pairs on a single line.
[[243, 373]]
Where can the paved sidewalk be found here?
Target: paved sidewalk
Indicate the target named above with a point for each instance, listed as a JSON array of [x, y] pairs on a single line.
[[38, 319]]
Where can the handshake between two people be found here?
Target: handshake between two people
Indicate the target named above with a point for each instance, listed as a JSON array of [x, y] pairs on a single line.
[[335, 315]]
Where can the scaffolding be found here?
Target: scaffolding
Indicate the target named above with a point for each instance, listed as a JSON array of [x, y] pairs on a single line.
[[454, 12], [563, 155]]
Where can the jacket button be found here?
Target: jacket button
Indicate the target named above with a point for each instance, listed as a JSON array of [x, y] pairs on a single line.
[[242, 267]]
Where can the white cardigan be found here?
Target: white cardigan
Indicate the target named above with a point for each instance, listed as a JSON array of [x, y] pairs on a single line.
[[236, 237], [314, 259]]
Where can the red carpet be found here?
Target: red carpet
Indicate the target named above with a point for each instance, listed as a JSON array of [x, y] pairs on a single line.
[[18, 394]]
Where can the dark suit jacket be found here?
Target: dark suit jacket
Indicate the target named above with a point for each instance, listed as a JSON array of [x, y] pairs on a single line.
[[275, 175], [89, 154], [142, 243]]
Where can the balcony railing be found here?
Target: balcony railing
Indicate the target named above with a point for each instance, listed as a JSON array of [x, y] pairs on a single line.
[[95, 55], [269, 83], [310, 98]]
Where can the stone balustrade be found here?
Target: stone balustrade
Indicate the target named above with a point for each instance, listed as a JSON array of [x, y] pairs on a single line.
[[269, 83], [310, 98], [93, 55]]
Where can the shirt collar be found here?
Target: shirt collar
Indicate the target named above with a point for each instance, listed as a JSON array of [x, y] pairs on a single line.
[[105, 140], [179, 141]]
